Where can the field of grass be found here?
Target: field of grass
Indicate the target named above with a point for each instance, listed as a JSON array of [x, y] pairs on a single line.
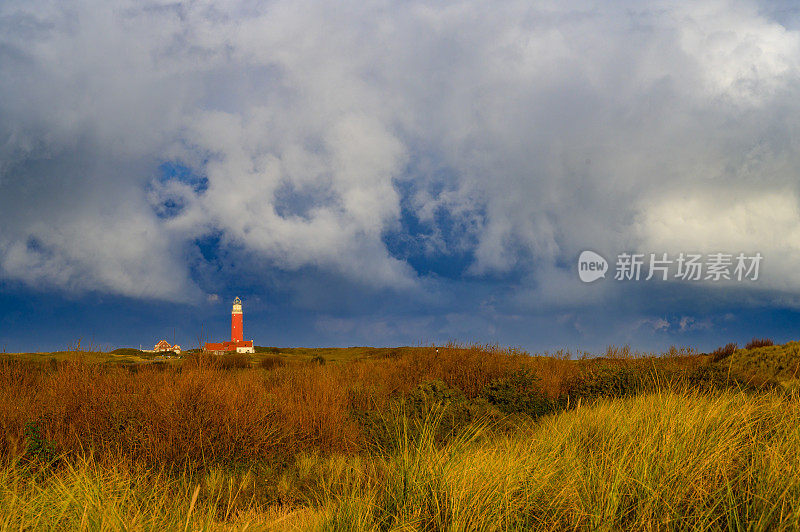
[[127, 355], [469, 438], [332, 354]]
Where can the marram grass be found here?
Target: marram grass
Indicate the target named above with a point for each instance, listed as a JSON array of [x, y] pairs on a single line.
[[662, 461], [656, 462], [89, 497]]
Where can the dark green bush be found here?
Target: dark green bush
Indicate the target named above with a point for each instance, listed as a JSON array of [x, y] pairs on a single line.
[[452, 410], [37, 447], [518, 393], [609, 380], [428, 394], [708, 378]]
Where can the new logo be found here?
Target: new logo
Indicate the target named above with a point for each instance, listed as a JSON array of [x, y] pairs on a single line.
[[591, 266]]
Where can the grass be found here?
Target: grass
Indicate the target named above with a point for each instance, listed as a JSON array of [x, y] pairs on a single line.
[[90, 496], [466, 438], [780, 363], [664, 460], [334, 354], [288, 355], [658, 461]]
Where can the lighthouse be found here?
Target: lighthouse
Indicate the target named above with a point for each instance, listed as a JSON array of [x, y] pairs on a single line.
[[237, 344], [237, 334]]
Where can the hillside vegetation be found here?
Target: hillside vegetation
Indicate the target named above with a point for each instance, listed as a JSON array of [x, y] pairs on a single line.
[[469, 438], [780, 363], [130, 355]]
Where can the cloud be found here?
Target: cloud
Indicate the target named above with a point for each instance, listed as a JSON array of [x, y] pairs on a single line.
[[656, 324], [714, 221], [689, 323], [515, 135]]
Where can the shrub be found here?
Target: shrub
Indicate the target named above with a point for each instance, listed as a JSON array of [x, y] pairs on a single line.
[[318, 360], [469, 369], [37, 447], [234, 361], [393, 354], [227, 361], [271, 362], [724, 352], [200, 360], [518, 394], [127, 351], [759, 342], [431, 406], [708, 377], [608, 380], [432, 393], [155, 366]]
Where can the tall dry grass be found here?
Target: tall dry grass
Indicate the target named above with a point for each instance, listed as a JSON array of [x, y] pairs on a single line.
[[660, 461], [89, 496], [206, 412], [278, 445]]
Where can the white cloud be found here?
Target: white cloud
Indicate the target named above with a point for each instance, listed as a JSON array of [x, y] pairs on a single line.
[[656, 324], [541, 131], [713, 221], [690, 323], [738, 54]]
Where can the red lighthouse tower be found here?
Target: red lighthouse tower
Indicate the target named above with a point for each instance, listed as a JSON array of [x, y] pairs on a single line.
[[237, 334], [237, 344]]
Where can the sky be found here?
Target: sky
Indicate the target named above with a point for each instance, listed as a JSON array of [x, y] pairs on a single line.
[[397, 172]]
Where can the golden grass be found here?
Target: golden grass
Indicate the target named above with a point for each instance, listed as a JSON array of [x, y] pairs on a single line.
[[655, 462], [202, 447], [779, 362], [203, 413], [659, 461], [93, 497]]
